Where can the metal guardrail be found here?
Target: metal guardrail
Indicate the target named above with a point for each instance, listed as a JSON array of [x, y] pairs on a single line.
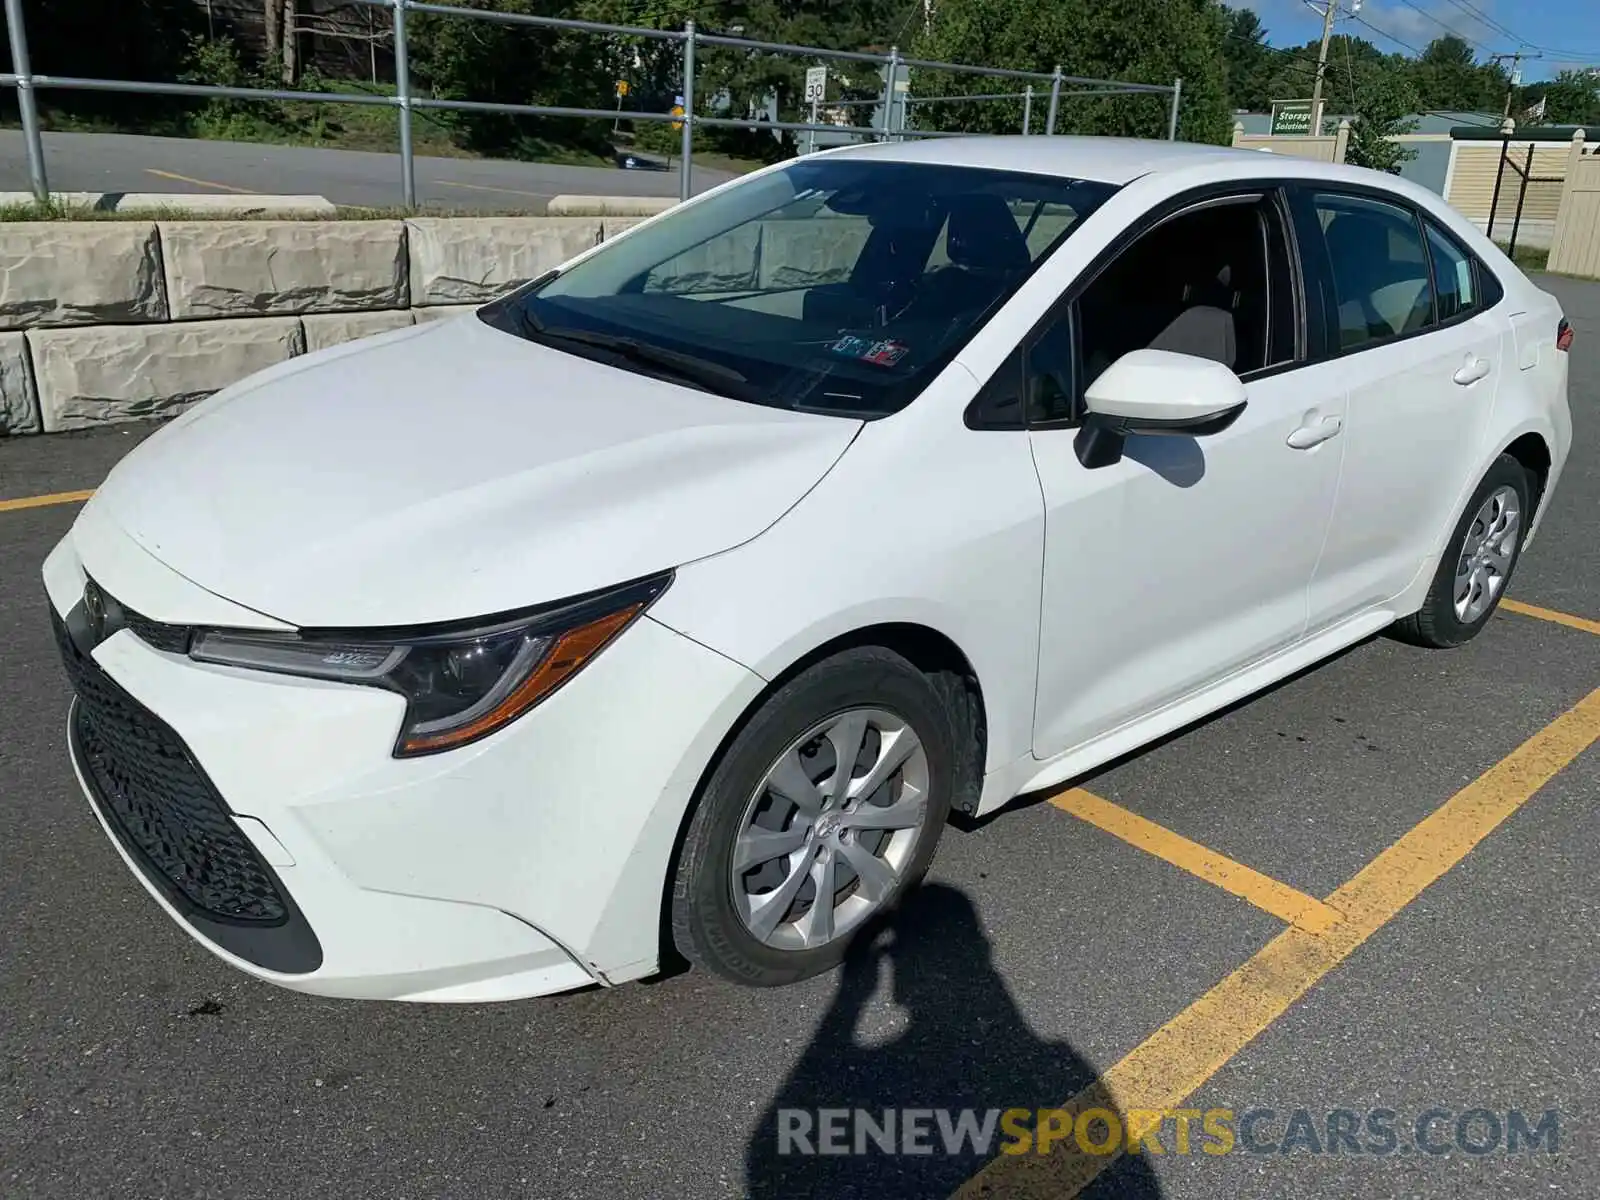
[[26, 83]]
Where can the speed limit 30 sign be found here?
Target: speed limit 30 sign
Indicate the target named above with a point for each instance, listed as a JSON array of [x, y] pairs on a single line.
[[816, 83]]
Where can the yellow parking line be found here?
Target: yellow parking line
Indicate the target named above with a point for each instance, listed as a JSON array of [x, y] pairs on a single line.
[[226, 187], [1266, 893], [483, 187], [1171, 1064], [1550, 614], [44, 501]]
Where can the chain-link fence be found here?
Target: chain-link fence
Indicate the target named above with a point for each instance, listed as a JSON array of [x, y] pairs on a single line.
[[888, 112]]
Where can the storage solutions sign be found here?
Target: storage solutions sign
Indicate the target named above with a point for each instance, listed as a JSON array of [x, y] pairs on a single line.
[[1292, 117]]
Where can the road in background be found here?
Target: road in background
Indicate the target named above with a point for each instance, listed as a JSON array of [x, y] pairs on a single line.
[[114, 162]]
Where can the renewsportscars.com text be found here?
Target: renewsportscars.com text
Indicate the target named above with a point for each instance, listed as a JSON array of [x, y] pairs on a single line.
[[1375, 1132]]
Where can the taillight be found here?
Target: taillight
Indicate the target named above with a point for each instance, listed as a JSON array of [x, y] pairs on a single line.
[[1564, 335]]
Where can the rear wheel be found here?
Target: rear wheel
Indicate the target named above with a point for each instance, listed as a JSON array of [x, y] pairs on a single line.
[[824, 810], [1477, 565]]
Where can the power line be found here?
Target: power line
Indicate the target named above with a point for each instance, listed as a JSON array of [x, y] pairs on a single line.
[[1302, 64], [1472, 10], [1360, 20], [1579, 56], [1450, 29], [1294, 54]]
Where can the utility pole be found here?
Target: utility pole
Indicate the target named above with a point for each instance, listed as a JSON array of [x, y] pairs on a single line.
[[1330, 13], [1516, 74], [1322, 68]]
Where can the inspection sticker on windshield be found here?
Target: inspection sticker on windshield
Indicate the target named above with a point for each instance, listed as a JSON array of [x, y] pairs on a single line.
[[881, 353]]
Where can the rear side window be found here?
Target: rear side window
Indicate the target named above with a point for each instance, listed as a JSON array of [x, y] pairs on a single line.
[[1382, 284], [1455, 283]]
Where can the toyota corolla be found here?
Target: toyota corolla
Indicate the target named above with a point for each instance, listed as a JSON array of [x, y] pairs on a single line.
[[673, 602]]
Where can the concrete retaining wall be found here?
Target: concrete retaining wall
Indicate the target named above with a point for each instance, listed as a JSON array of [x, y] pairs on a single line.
[[104, 321], [108, 321]]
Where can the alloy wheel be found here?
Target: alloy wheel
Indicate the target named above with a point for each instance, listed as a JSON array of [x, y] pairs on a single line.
[[1487, 553], [826, 837]]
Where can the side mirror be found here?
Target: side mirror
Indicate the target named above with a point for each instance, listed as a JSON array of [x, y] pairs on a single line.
[[1156, 391]]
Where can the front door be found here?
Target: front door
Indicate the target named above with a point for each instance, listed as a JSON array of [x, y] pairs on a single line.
[[1191, 558]]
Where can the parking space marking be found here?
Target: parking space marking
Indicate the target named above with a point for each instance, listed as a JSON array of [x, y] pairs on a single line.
[[45, 501], [1266, 893], [226, 187], [1169, 1066], [1550, 614], [483, 187]]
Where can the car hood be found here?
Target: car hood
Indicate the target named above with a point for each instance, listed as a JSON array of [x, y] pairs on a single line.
[[448, 471]]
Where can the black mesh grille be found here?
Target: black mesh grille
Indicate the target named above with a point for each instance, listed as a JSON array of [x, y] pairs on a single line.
[[162, 804], [172, 638]]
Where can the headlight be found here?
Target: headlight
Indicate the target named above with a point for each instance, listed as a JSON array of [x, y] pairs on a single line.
[[461, 683]]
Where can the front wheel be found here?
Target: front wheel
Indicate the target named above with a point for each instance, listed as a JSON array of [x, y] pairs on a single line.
[[824, 810], [1477, 563]]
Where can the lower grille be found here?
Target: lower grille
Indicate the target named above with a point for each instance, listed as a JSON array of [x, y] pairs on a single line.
[[161, 803], [174, 639]]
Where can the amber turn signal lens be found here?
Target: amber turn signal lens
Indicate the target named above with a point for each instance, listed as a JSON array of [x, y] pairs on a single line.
[[570, 652]]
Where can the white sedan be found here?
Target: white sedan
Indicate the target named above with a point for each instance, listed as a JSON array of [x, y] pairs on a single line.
[[674, 601]]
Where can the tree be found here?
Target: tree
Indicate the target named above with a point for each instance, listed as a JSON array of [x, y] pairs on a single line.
[[1295, 71], [1136, 40], [272, 27], [108, 39], [504, 64], [1571, 98], [289, 55], [734, 81], [1447, 76], [1384, 98], [1250, 62]]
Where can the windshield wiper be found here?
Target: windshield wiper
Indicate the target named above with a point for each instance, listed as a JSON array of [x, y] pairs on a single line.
[[703, 373]]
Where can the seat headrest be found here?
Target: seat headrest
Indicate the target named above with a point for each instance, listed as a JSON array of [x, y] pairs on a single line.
[[983, 235], [1356, 241]]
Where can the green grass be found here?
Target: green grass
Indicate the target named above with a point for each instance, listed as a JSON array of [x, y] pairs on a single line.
[[1534, 259], [377, 127], [331, 126], [369, 127], [1529, 258]]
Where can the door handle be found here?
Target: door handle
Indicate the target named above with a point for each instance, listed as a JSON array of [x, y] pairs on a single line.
[[1314, 434], [1472, 370]]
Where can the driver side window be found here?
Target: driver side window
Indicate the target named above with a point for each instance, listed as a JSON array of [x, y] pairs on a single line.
[[1214, 281]]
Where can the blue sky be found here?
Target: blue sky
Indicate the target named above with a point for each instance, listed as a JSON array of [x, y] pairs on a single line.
[[1566, 32]]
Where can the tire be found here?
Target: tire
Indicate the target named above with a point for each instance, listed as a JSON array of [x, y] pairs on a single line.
[[731, 924], [1440, 623]]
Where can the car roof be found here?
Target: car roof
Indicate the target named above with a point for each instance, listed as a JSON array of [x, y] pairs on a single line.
[[1104, 159]]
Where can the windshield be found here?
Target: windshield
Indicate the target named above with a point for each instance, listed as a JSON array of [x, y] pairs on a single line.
[[837, 285]]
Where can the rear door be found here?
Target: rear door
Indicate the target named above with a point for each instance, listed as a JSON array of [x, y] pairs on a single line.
[[1421, 359]]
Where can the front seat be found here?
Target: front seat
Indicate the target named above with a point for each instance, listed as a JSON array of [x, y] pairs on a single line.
[[885, 274], [1205, 328], [987, 254]]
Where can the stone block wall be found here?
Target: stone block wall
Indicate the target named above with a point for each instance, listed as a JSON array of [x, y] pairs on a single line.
[[104, 321]]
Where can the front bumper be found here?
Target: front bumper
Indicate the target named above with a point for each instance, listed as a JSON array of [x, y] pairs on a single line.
[[532, 862]]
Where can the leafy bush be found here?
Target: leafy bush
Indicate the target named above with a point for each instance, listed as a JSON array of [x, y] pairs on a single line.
[[460, 59], [218, 63], [1151, 41]]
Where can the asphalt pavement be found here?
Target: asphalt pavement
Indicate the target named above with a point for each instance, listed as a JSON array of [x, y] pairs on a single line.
[[106, 162], [1043, 953]]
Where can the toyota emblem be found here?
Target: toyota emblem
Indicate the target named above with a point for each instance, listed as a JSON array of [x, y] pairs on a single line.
[[94, 609]]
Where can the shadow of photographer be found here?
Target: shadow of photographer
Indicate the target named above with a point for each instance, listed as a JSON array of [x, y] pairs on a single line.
[[964, 1048]]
